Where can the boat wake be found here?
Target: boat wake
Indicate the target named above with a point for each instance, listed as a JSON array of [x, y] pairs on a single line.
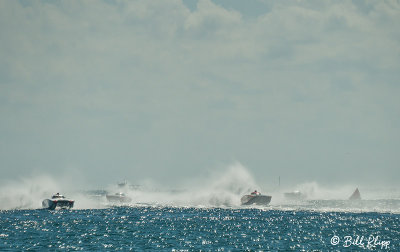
[[223, 188]]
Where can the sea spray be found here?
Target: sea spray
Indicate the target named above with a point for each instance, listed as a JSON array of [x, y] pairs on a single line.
[[27, 193], [222, 187]]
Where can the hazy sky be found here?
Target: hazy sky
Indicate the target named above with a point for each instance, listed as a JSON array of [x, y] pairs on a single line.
[[169, 90]]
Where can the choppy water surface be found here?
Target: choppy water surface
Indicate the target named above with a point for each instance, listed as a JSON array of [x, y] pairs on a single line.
[[208, 229]]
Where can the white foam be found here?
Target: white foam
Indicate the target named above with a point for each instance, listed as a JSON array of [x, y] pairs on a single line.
[[222, 187]]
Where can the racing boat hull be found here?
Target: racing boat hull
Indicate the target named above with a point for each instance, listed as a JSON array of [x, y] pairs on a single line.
[[255, 199], [118, 198], [52, 204]]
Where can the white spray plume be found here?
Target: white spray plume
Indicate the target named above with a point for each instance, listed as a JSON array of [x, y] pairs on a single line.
[[27, 193], [222, 187], [219, 188]]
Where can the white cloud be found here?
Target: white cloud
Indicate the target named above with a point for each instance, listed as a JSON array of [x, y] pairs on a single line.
[[174, 81], [212, 16]]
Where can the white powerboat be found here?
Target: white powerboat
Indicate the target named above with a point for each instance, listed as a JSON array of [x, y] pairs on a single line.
[[255, 198], [118, 198], [58, 201]]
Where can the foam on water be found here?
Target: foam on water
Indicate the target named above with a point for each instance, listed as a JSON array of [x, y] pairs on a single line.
[[28, 193], [220, 188]]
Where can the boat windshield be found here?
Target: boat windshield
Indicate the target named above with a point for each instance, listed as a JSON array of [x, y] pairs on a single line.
[[58, 196]]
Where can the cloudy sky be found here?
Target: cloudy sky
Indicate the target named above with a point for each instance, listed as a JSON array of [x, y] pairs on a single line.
[[169, 90]]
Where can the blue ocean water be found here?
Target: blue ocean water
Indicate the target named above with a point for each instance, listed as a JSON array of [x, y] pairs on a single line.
[[163, 228]]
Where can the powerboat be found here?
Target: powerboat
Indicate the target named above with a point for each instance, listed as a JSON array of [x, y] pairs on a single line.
[[58, 201], [123, 183], [255, 198], [118, 198], [296, 195]]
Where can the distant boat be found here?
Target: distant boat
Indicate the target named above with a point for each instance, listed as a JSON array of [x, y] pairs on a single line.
[[123, 183], [356, 195], [296, 195], [118, 198], [255, 198]]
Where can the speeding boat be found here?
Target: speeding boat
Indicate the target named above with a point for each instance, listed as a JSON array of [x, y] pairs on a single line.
[[58, 201], [295, 195], [255, 198], [118, 198]]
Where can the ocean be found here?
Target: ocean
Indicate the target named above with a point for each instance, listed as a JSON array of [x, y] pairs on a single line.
[[318, 225], [200, 215]]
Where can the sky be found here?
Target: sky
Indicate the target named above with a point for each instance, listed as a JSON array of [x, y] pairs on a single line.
[[171, 90]]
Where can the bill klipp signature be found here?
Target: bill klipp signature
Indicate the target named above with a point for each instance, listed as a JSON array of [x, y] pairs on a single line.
[[360, 241]]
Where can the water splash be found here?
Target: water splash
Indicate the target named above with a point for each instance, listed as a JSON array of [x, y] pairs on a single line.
[[222, 187], [26, 193]]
